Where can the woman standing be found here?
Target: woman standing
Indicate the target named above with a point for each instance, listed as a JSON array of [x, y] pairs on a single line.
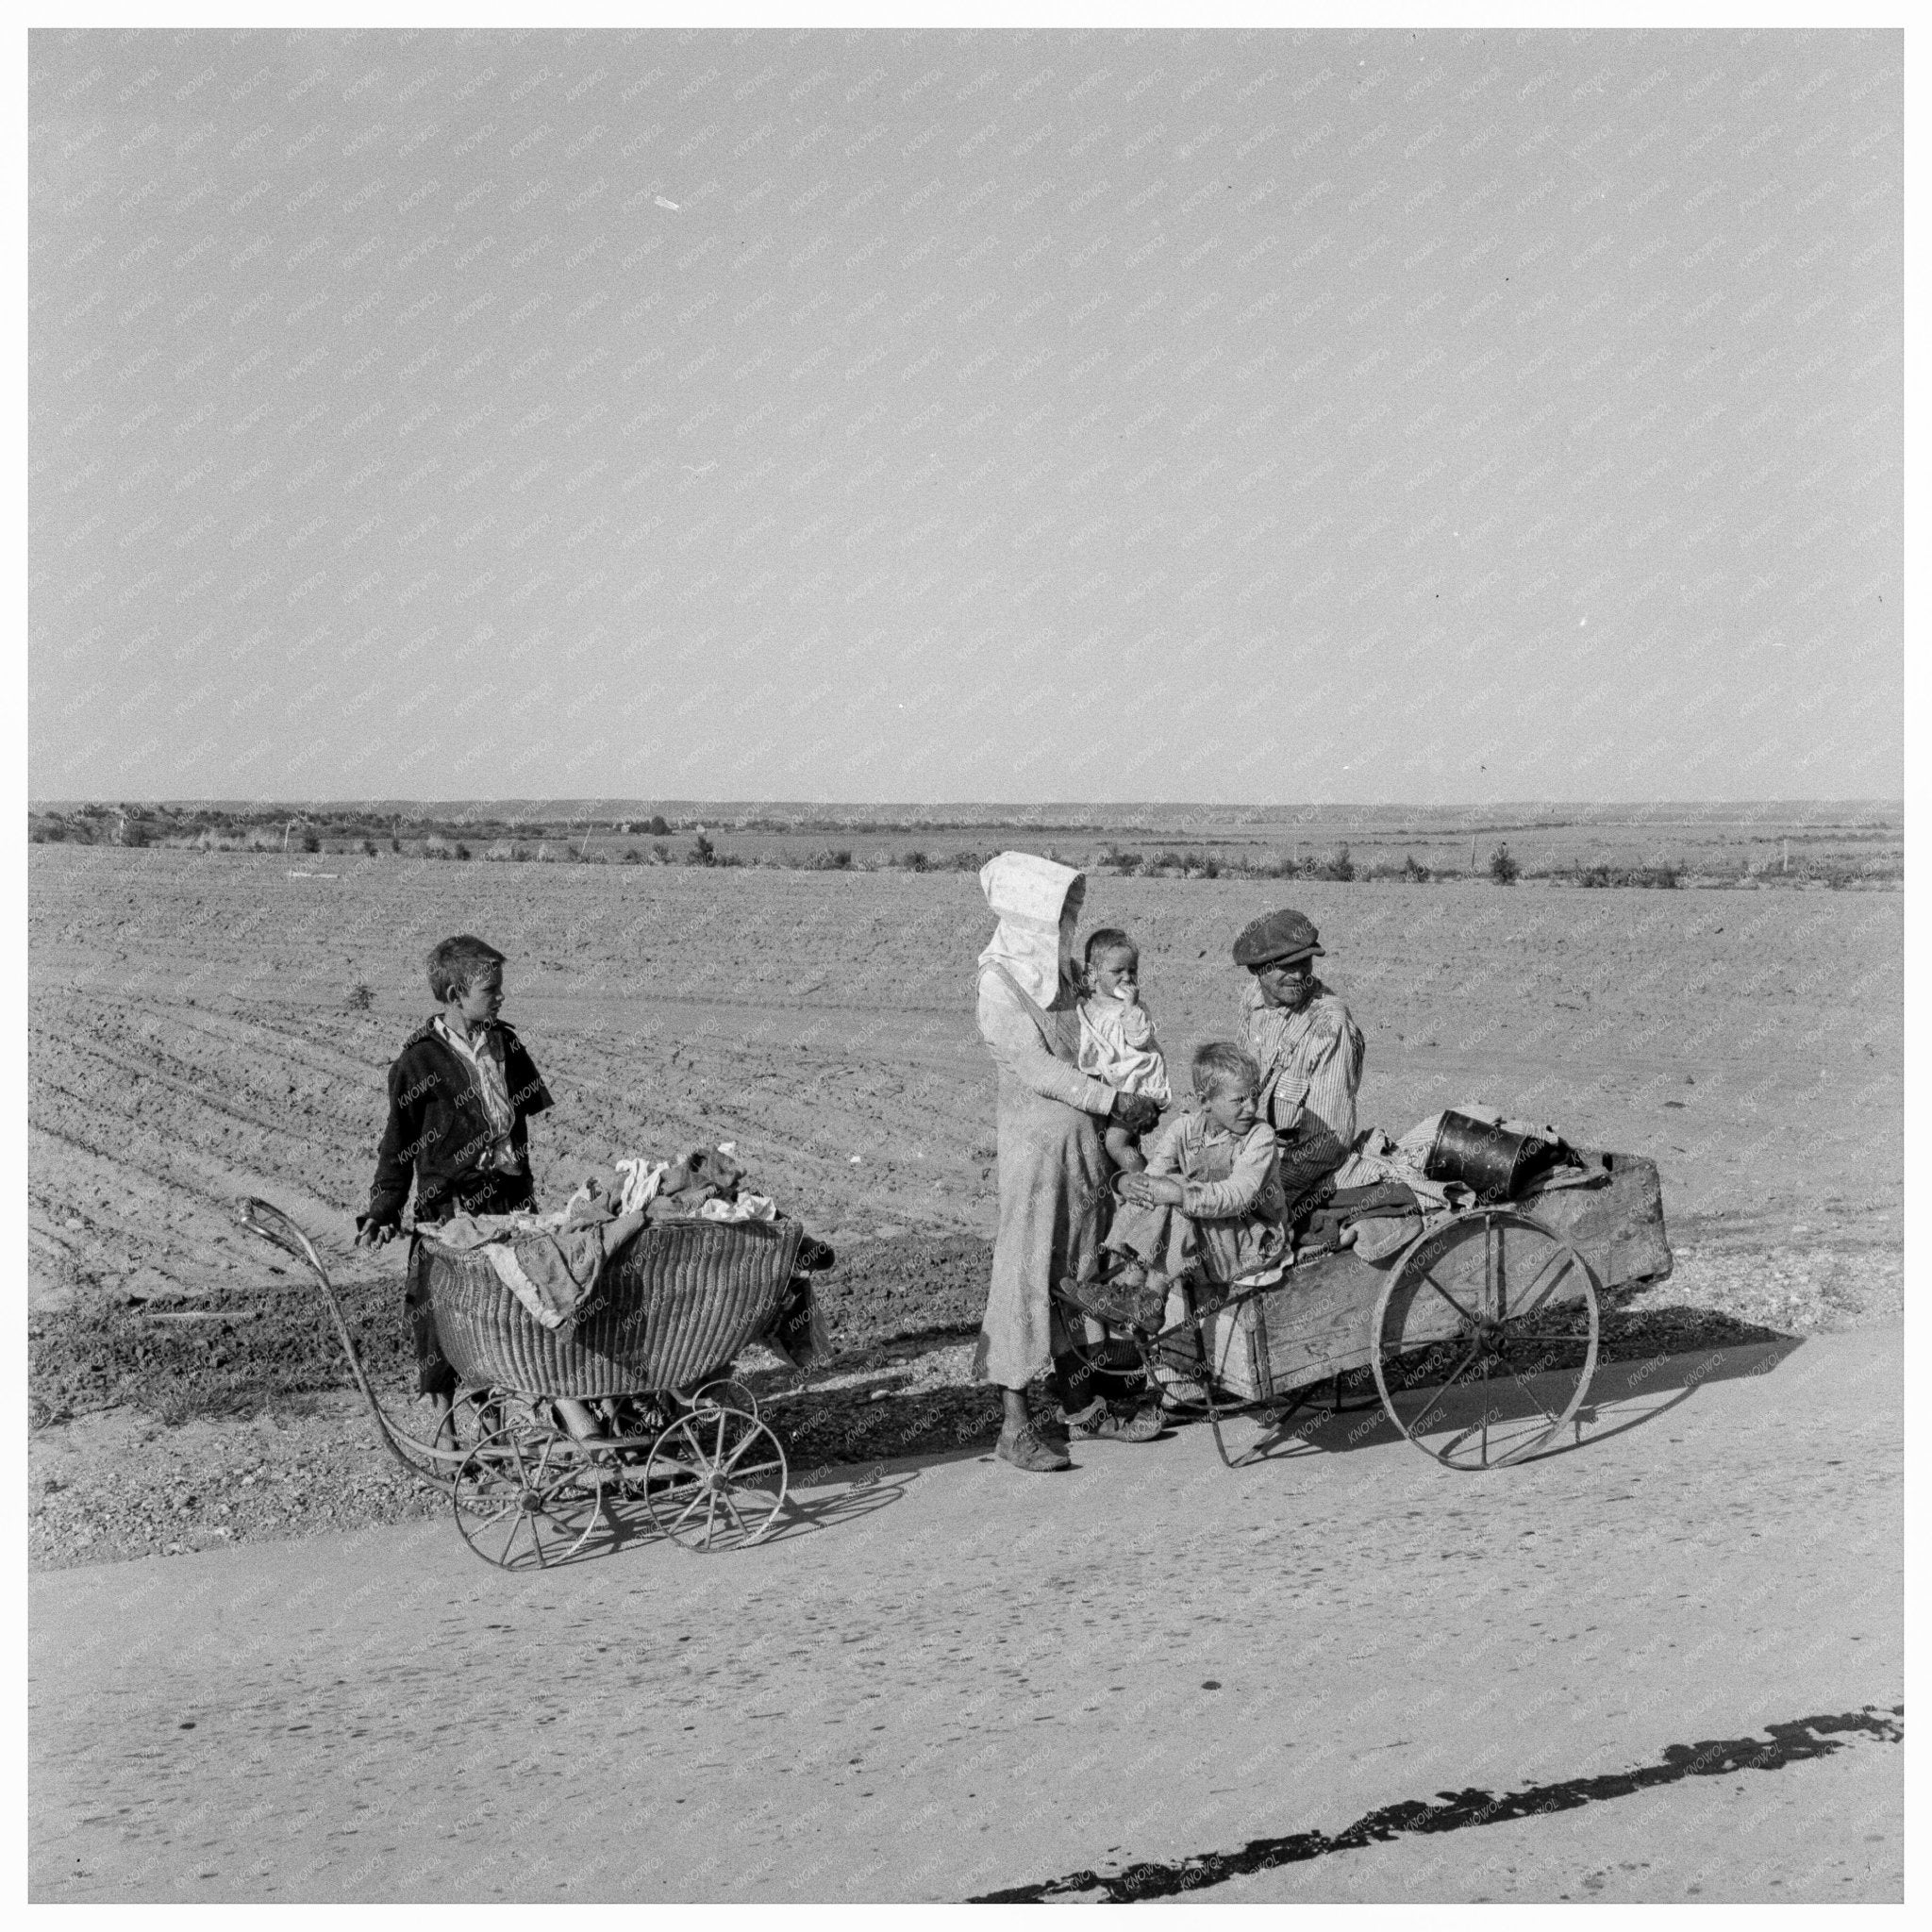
[[1052, 1164]]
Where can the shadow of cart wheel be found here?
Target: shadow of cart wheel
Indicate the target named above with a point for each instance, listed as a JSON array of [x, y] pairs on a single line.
[[1623, 1395], [627, 1519]]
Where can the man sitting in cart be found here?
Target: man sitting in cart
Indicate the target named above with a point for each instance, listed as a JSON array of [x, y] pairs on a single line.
[[460, 1096], [1308, 1046]]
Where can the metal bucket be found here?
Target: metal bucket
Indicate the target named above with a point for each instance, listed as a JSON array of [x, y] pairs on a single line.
[[1494, 1163]]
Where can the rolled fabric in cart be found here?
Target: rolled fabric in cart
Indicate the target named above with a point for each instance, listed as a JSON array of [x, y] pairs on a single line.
[[554, 1273]]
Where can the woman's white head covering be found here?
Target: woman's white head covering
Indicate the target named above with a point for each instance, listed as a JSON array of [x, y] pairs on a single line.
[[1029, 893]]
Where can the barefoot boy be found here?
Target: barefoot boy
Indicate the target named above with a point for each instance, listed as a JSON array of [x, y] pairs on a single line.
[[1210, 1200]]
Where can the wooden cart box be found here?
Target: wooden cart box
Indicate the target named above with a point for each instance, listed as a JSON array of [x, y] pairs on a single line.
[[1318, 1323]]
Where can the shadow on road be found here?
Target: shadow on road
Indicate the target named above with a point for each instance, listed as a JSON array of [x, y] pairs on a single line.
[[624, 1521], [1800, 1741], [1622, 1396]]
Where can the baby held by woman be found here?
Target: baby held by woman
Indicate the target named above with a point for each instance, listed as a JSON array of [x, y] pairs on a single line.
[[1117, 1043]]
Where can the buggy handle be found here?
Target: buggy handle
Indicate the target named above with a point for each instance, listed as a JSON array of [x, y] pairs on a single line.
[[261, 1218]]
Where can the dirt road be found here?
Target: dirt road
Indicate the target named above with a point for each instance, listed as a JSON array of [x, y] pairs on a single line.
[[1679, 1647]]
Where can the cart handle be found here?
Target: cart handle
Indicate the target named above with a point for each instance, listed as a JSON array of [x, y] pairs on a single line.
[[260, 1217]]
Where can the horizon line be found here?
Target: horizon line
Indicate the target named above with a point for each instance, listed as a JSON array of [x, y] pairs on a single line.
[[623, 802]]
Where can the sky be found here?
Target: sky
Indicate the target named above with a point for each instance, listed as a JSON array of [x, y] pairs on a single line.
[[1238, 417]]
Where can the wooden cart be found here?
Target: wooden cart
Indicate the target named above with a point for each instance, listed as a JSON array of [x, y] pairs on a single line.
[[1479, 1336]]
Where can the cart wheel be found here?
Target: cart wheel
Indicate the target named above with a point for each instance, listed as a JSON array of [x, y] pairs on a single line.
[[715, 1479], [1484, 1339], [725, 1392], [527, 1496]]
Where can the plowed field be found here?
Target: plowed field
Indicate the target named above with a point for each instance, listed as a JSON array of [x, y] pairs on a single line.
[[192, 1037]]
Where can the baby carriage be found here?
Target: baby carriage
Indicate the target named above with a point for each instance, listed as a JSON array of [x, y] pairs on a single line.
[[652, 1355]]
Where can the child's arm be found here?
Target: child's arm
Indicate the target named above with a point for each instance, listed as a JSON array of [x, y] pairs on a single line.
[[394, 1165], [1136, 1037], [1159, 1184], [1167, 1153], [1223, 1200]]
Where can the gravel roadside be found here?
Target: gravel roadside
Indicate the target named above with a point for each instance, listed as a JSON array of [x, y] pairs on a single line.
[[118, 1483]]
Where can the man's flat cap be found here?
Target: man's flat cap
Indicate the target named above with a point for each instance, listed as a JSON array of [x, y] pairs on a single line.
[[1276, 939]]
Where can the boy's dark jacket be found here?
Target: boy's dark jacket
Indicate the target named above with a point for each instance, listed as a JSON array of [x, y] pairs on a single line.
[[437, 1130]]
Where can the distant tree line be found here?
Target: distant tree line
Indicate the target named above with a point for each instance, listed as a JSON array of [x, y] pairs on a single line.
[[660, 841]]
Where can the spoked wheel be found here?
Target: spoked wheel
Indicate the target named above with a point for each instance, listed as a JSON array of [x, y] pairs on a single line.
[[725, 1392], [715, 1479], [1485, 1340], [474, 1417], [527, 1496]]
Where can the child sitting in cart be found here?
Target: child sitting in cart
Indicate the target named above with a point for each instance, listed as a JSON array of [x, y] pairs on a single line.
[[1211, 1202], [1117, 1043]]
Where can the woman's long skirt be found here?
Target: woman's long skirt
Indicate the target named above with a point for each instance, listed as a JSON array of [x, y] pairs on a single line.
[[1053, 1171]]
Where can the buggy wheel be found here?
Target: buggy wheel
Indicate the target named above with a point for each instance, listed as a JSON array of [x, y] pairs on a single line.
[[725, 1392], [474, 1417], [527, 1496], [715, 1479], [475, 1414], [1484, 1339]]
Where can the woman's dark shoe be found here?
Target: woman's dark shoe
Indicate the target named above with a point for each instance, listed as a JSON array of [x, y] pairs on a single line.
[[1027, 1449]]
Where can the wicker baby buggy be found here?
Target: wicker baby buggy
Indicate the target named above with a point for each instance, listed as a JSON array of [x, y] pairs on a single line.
[[653, 1351]]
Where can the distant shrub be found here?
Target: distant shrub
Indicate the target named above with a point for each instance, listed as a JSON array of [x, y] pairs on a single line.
[[1415, 874], [462, 851], [369, 848], [914, 861], [658, 828], [1503, 870], [1338, 866], [1125, 863], [630, 856], [702, 852], [966, 861], [395, 844], [1658, 877], [661, 853], [830, 861], [310, 843]]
